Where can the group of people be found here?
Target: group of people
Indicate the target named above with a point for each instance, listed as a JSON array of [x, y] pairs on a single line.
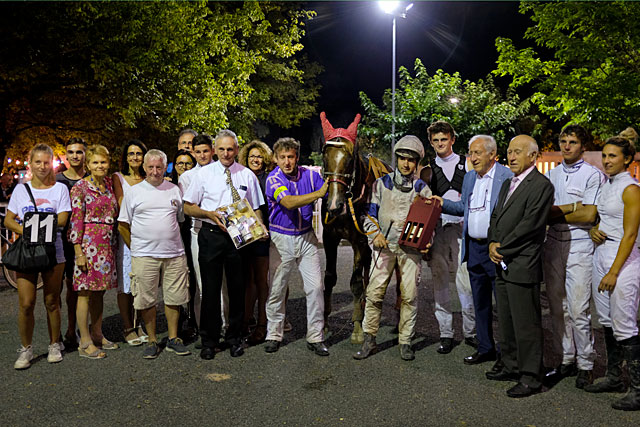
[[503, 230]]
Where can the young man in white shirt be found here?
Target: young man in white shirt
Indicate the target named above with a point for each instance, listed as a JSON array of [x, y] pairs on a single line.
[[568, 255], [448, 170]]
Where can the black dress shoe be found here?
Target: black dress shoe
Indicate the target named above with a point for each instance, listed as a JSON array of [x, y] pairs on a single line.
[[502, 376], [471, 342], [477, 358], [271, 346], [207, 353], [446, 345], [236, 350], [498, 366], [568, 369], [318, 348], [522, 390]]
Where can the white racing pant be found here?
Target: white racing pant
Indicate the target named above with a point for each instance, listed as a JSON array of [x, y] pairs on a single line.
[[286, 253], [567, 275], [379, 277], [617, 309], [444, 251], [197, 298]]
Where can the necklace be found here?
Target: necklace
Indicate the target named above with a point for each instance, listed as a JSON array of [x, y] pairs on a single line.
[[97, 186]]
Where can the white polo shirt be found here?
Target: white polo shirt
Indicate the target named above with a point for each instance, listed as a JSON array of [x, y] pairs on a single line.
[[153, 214], [209, 189], [579, 182]]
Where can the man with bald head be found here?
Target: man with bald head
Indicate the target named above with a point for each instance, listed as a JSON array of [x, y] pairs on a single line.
[[516, 235]]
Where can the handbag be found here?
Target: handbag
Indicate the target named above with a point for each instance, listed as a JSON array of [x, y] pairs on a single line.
[[26, 257]]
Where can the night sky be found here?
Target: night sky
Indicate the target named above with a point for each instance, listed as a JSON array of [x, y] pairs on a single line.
[[352, 41]]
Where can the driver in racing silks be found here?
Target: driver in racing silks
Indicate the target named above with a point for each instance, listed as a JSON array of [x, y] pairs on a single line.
[[390, 202]]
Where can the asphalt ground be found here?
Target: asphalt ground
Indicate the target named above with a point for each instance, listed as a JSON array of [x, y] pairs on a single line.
[[292, 387]]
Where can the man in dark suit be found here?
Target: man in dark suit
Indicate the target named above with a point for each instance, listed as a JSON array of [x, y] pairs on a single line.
[[516, 236], [480, 190]]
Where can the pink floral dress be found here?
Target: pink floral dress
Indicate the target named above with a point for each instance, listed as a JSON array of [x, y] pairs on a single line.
[[93, 219]]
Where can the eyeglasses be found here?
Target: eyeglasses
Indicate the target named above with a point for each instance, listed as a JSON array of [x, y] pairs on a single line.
[[185, 164], [255, 157], [473, 199], [134, 154]]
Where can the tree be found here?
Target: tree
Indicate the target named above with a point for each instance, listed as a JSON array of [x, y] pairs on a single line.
[[109, 71], [471, 107], [588, 69]]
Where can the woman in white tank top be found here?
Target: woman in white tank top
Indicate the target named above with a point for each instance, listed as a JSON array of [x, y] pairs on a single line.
[[616, 272], [130, 174]]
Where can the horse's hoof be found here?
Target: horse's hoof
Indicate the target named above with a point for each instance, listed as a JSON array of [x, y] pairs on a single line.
[[357, 336]]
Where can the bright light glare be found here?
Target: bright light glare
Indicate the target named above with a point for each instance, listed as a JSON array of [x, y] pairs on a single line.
[[454, 100], [388, 6]]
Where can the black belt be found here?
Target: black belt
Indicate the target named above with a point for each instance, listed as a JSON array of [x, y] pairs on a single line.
[[479, 241], [211, 227]]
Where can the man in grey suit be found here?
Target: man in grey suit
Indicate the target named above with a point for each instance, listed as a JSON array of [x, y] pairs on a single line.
[[516, 236], [480, 189]]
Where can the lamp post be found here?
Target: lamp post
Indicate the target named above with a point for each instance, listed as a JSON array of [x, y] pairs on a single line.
[[391, 8]]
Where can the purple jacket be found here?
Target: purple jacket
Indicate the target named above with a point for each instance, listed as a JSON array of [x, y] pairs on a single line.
[[286, 221]]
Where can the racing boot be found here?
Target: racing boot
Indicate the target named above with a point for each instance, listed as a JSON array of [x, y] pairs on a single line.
[[612, 381], [631, 401], [369, 347]]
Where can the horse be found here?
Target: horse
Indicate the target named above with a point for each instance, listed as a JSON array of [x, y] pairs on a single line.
[[350, 180]]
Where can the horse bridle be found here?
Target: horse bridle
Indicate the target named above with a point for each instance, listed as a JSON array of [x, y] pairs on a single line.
[[340, 178]]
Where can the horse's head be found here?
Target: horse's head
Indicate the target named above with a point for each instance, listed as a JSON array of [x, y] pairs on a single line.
[[339, 153], [338, 165]]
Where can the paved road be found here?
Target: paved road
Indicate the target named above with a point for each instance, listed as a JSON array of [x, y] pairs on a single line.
[[290, 387]]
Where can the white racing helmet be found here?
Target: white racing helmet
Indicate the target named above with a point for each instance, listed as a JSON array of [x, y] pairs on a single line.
[[409, 146]]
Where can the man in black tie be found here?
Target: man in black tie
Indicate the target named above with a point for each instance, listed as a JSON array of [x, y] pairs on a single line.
[[516, 235]]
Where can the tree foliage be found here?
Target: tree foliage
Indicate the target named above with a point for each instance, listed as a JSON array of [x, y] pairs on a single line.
[[112, 70], [587, 67], [471, 107]]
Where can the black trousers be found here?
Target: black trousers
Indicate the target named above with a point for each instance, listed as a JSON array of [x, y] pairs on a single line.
[[520, 327], [482, 275], [217, 253]]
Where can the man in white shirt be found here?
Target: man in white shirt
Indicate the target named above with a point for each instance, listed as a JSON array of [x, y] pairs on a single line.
[[214, 186], [202, 146], [479, 196], [568, 255], [448, 170], [151, 211]]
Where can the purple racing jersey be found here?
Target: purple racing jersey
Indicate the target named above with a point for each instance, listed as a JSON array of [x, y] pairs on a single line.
[[293, 222]]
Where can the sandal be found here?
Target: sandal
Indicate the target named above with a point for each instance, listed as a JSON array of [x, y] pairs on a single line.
[[142, 335], [97, 354], [105, 344], [133, 342]]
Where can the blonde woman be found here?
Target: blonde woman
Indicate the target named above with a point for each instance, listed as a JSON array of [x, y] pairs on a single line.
[[94, 209], [50, 196]]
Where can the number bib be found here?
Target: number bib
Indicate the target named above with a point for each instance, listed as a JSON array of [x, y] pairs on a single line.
[[40, 228]]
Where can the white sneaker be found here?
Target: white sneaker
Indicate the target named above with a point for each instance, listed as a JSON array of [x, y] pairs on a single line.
[[25, 354], [55, 353], [61, 344]]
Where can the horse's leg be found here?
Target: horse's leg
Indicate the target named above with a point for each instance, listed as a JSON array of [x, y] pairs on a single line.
[[359, 279], [330, 242]]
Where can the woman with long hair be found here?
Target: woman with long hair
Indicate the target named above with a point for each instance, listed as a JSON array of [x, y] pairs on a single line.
[[258, 157], [616, 263], [50, 196], [94, 210], [130, 174]]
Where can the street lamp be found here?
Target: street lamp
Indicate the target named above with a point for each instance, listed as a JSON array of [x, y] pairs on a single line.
[[393, 8]]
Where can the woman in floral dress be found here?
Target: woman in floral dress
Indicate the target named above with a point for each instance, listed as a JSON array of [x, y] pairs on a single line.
[[94, 209]]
